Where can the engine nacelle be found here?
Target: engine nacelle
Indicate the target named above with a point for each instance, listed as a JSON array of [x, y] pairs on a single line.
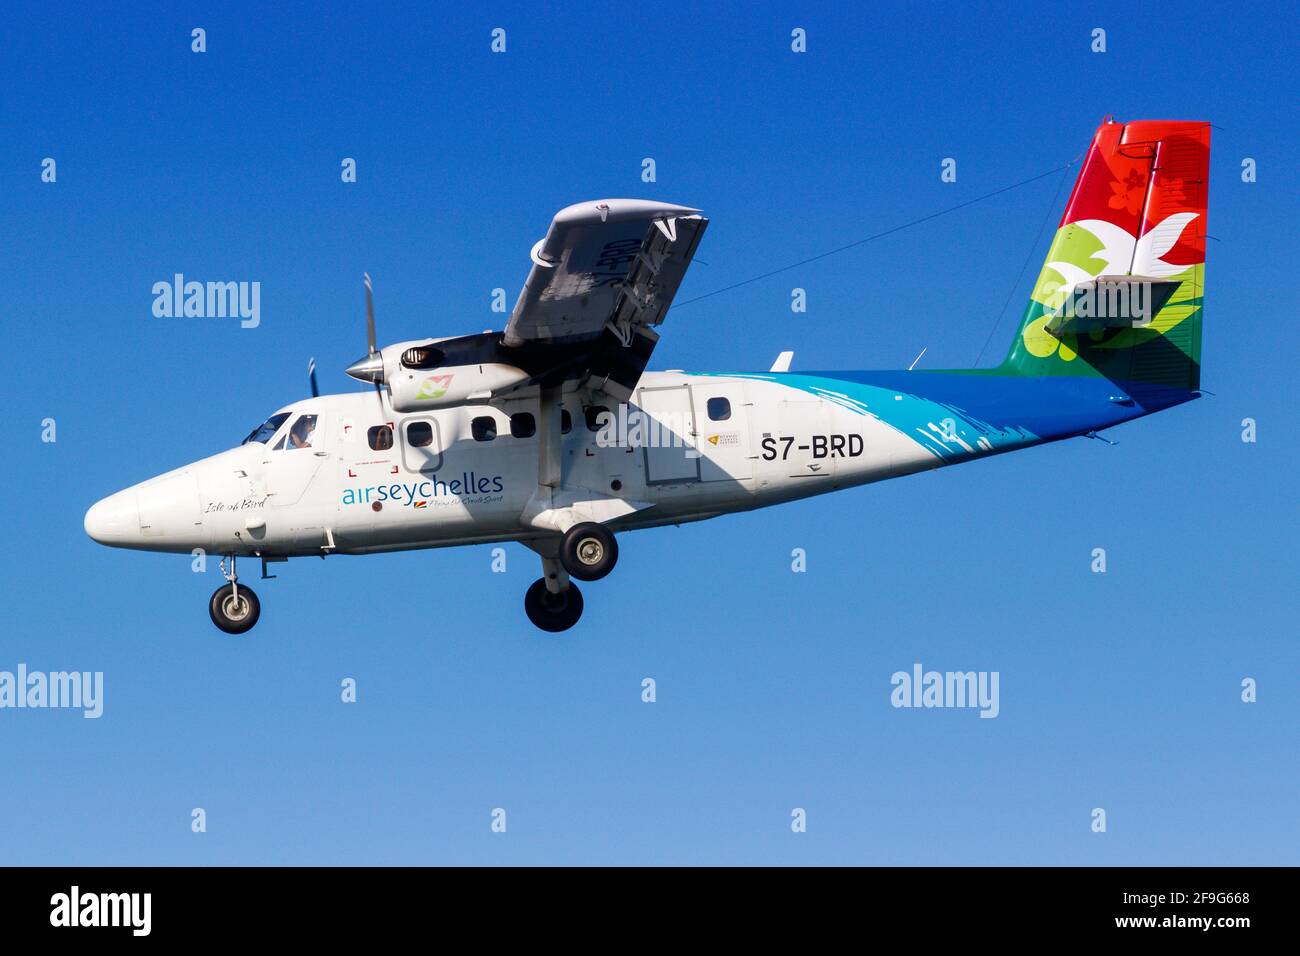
[[440, 373], [414, 390]]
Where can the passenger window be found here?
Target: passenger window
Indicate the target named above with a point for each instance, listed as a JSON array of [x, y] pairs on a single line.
[[300, 435], [483, 428], [419, 434], [380, 438], [593, 413], [566, 421], [719, 409], [523, 425]]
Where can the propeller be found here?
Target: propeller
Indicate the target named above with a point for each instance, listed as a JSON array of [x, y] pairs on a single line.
[[370, 313], [311, 377], [370, 368]]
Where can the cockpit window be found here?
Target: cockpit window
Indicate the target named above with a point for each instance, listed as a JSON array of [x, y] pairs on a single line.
[[424, 357], [263, 432], [300, 434]]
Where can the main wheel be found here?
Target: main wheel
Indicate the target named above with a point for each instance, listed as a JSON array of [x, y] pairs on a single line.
[[589, 551], [553, 612], [232, 614]]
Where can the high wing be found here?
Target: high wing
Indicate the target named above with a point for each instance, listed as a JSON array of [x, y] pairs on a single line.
[[606, 265], [602, 279]]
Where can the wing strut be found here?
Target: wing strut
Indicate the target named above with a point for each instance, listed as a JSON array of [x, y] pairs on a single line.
[[549, 438]]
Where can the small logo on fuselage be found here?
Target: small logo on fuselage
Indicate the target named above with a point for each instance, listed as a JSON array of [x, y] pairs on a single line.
[[435, 386]]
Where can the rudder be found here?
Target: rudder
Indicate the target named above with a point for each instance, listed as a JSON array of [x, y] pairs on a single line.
[[1135, 220]]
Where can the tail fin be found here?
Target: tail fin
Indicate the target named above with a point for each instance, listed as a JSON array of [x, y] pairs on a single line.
[[1135, 223]]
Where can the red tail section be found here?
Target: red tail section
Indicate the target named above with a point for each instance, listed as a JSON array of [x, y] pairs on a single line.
[[1137, 210]]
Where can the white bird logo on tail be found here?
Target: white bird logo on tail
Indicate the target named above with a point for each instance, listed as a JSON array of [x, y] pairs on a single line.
[[1125, 256]]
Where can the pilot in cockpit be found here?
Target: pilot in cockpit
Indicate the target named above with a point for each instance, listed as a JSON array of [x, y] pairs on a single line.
[[300, 434]]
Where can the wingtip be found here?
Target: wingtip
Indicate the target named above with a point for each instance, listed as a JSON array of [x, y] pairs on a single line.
[[606, 210]]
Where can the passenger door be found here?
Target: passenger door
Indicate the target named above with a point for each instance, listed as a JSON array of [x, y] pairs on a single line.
[[668, 435], [368, 459]]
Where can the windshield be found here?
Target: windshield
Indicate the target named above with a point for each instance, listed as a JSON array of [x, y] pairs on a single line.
[[263, 432]]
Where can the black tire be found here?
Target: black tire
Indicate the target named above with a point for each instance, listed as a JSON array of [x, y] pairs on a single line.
[[589, 551], [553, 612], [226, 616]]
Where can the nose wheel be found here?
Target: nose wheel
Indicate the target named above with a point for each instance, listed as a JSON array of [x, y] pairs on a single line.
[[234, 608], [235, 612]]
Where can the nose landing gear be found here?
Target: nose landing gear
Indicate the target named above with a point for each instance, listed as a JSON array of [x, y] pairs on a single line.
[[234, 609]]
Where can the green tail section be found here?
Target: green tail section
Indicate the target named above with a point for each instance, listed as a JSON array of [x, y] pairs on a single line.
[[1135, 221]]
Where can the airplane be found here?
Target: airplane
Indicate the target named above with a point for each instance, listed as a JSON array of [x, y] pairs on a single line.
[[553, 434]]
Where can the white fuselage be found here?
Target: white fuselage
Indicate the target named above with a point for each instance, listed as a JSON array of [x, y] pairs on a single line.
[[371, 480]]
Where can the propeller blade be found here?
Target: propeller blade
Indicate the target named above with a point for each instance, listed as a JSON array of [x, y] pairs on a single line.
[[370, 368], [311, 377], [370, 314]]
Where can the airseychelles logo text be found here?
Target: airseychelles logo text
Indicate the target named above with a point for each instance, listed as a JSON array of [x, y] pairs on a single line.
[[923, 688], [76, 908], [421, 494], [208, 300], [82, 690]]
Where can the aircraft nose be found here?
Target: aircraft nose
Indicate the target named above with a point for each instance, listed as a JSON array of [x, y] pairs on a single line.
[[115, 520]]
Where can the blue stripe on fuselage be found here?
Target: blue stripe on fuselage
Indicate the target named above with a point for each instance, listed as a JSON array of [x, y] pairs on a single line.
[[1006, 411]]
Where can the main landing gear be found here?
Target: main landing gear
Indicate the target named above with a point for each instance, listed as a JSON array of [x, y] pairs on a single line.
[[587, 552], [233, 608], [553, 611]]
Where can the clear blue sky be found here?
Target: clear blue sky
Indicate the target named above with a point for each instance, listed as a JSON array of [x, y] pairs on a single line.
[[1118, 691]]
